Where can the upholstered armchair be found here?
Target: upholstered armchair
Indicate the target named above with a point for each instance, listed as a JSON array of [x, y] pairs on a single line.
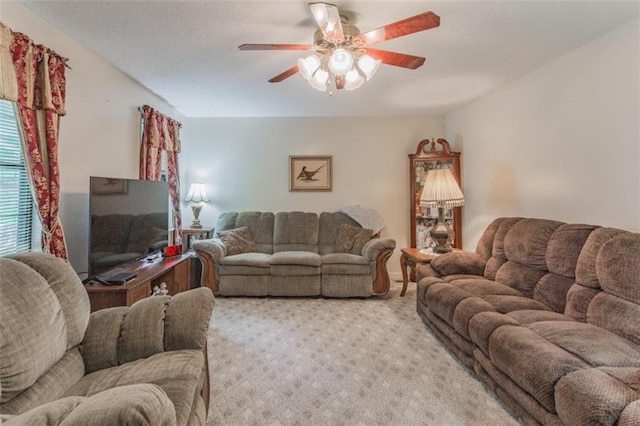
[[143, 365]]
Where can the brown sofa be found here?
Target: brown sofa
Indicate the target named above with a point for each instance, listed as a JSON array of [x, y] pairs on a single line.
[[546, 314], [139, 365]]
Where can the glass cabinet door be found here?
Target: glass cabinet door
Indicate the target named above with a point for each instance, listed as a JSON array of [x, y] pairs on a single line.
[[432, 155]]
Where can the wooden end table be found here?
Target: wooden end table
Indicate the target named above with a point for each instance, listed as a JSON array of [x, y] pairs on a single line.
[[202, 233], [411, 257]]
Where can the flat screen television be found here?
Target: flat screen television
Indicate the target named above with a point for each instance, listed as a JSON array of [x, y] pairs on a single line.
[[129, 220]]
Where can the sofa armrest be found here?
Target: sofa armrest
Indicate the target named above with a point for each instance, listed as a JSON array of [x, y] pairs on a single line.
[[152, 325], [140, 404], [213, 246], [210, 252], [379, 251], [458, 263], [375, 246]]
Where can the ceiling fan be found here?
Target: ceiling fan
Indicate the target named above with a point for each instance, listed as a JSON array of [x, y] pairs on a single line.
[[342, 53]]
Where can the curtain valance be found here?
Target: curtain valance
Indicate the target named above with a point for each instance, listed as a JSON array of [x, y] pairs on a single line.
[[33, 76], [160, 131]]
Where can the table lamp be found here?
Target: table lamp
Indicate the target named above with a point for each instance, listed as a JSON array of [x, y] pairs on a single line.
[[197, 195], [441, 190]]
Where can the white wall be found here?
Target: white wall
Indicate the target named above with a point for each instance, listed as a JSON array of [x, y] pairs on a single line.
[[562, 142], [244, 163], [99, 136]]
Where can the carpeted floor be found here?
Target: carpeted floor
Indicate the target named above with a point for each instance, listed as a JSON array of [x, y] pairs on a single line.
[[304, 361]]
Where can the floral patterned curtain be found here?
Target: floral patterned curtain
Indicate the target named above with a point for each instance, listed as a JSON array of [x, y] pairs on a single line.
[[162, 133], [39, 92]]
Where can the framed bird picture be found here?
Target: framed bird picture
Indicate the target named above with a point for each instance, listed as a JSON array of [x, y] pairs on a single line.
[[310, 173]]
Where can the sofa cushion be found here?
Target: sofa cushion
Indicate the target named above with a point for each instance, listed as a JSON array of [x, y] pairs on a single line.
[[237, 241], [305, 258], [351, 239], [245, 264], [260, 226], [526, 242], [616, 315], [295, 263], [595, 396], [294, 270], [586, 265], [459, 262], [344, 259], [618, 266], [29, 344], [578, 300], [329, 224], [531, 361], [179, 374], [345, 264], [594, 345], [498, 256], [295, 231]]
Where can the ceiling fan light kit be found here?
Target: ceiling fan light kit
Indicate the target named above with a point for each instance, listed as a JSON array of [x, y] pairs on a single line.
[[341, 53]]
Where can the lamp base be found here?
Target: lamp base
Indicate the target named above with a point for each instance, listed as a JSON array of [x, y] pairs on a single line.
[[196, 208], [442, 234]]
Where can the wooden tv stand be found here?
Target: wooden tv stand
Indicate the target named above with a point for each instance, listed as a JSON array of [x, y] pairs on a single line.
[[173, 271]]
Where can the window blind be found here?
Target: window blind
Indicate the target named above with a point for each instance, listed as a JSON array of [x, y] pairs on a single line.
[[16, 202]]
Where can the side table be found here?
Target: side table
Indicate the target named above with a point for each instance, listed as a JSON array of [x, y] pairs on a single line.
[[411, 257], [204, 232]]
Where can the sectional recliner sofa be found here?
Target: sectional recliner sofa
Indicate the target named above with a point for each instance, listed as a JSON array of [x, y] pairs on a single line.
[[547, 315], [293, 254]]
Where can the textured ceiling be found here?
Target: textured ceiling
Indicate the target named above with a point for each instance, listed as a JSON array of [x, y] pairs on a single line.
[[186, 51]]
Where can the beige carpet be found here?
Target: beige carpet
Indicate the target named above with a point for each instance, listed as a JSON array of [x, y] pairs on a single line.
[[303, 361]]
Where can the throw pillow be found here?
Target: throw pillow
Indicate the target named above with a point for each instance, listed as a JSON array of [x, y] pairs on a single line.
[[237, 240], [351, 239]]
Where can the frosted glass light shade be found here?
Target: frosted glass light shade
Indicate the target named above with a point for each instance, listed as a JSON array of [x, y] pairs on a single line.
[[441, 190], [308, 66], [353, 80], [197, 193], [319, 80], [340, 62], [368, 66]]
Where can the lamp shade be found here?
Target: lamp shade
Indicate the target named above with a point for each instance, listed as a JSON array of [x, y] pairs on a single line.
[[441, 190], [308, 66], [340, 62], [197, 193], [319, 80], [368, 66], [353, 80]]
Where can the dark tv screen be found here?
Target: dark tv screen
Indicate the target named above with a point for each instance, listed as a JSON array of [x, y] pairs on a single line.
[[129, 220]]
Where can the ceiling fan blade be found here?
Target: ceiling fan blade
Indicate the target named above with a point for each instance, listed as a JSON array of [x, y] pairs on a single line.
[[288, 73], [398, 59], [275, 47], [328, 19], [424, 21]]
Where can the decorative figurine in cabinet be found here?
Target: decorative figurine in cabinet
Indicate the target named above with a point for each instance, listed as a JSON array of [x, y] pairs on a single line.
[[432, 154]]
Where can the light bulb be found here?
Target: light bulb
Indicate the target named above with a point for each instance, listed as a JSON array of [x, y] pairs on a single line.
[[308, 66], [368, 66], [319, 80], [353, 80], [340, 62]]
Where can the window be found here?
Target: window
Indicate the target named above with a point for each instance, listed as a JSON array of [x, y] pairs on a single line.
[[16, 202]]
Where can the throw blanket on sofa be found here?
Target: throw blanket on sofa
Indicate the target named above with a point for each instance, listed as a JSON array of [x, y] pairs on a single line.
[[367, 218]]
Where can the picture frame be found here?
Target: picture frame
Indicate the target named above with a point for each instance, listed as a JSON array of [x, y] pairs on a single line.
[[109, 186], [310, 173]]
